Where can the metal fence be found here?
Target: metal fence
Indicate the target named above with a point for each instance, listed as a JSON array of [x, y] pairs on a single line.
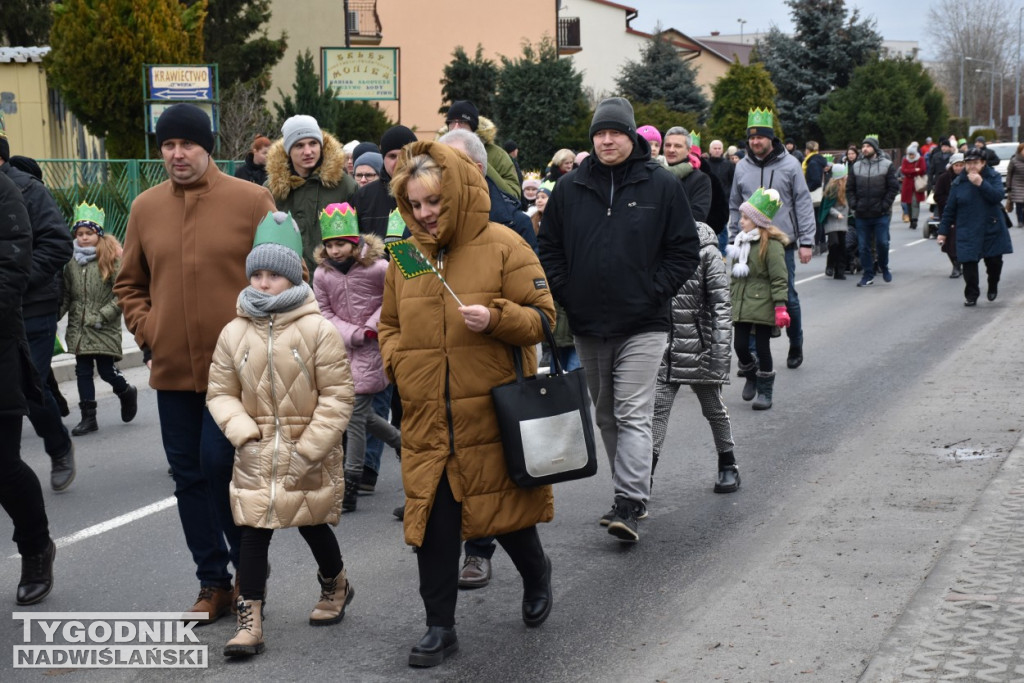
[[110, 184]]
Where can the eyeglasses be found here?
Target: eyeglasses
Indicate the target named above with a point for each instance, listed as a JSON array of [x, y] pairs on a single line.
[[365, 176]]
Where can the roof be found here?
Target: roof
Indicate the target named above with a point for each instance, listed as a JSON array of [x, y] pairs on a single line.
[[728, 48], [23, 54]]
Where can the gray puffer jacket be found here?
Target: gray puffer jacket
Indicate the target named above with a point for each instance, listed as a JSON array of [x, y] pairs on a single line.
[[700, 342]]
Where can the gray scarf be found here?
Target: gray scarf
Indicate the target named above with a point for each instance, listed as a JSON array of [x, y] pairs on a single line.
[[84, 254], [259, 304]]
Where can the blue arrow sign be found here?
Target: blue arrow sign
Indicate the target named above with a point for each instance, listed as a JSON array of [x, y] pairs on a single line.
[[192, 94]]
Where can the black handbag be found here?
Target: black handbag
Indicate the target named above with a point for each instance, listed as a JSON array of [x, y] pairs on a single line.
[[547, 431]]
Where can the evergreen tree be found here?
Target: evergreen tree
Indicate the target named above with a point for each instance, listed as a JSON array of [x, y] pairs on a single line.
[[820, 57], [662, 75], [308, 99], [469, 79], [741, 89], [234, 40], [361, 121], [538, 96], [97, 51], [909, 107], [25, 23], [658, 114]]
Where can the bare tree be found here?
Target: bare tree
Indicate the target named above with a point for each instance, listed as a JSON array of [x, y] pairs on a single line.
[[243, 116], [985, 31]]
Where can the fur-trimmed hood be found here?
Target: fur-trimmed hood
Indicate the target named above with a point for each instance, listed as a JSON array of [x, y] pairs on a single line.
[[282, 179], [370, 250]]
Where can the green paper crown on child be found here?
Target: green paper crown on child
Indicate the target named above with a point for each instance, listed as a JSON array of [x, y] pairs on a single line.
[[339, 222], [760, 118], [396, 225], [765, 202], [279, 227], [90, 216], [694, 138]]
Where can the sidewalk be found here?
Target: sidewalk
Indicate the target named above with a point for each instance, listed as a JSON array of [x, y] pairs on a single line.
[[64, 364], [966, 622]]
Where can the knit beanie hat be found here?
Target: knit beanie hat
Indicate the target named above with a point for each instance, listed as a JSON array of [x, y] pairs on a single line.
[[838, 171], [872, 139], [465, 111], [955, 158], [614, 113], [349, 148], [394, 138], [364, 147], [298, 128], [276, 247], [371, 159], [649, 133], [187, 122]]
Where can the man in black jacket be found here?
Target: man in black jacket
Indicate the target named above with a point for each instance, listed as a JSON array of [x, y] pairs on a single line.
[[617, 241], [51, 250], [373, 202], [871, 188]]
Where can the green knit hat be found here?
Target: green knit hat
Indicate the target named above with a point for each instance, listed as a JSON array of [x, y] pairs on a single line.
[[339, 222]]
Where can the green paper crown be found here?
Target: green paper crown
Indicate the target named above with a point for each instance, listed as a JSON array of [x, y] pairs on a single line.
[[961, 141], [760, 118], [872, 136], [338, 221], [766, 202], [694, 138], [279, 228], [90, 214], [396, 225], [828, 158]]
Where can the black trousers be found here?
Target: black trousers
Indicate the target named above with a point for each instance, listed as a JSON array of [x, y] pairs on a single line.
[[252, 563], [108, 373], [993, 268], [763, 340], [836, 258], [438, 557], [20, 493]]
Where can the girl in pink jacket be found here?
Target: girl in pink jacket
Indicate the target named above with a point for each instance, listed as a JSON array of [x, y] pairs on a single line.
[[349, 287]]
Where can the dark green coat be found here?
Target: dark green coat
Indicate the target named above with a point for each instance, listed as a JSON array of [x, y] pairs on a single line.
[[755, 296], [88, 300]]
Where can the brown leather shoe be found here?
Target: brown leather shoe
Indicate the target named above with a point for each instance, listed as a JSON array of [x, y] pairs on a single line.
[[216, 602], [476, 572]]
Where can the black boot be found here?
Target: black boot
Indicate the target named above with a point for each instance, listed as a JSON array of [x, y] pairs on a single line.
[[129, 403], [62, 468], [348, 503], [765, 386], [795, 357], [537, 600], [750, 373], [88, 423], [436, 644], [728, 479], [36, 576]]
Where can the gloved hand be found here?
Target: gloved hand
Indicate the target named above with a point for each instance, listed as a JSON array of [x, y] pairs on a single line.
[[781, 316], [369, 334]]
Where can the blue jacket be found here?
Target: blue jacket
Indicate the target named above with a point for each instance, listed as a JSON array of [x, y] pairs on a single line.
[[977, 213]]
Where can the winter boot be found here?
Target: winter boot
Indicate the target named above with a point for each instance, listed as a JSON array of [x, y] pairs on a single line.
[[750, 373], [248, 638], [335, 594], [88, 423], [348, 503], [129, 403], [765, 385]]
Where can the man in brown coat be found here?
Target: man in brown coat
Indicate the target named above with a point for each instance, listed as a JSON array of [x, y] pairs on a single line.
[[182, 270]]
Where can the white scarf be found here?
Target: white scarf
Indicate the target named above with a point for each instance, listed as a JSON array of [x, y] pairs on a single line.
[[739, 250]]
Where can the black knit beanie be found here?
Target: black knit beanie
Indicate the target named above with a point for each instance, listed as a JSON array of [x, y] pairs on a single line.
[[185, 121], [466, 111], [614, 113], [394, 138]]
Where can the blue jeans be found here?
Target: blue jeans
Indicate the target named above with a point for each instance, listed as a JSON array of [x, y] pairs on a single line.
[[795, 331], [873, 230], [569, 358], [108, 373], [45, 417], [201, 459], [374, 446]]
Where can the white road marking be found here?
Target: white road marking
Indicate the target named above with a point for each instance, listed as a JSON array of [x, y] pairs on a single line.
[[127, 518]]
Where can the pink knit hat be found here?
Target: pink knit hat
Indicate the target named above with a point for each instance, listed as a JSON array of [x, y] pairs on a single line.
[[649, 133]]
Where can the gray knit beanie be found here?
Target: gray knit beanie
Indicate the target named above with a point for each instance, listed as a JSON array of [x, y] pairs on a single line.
[[298, 128], [276, 258], [614, 113]]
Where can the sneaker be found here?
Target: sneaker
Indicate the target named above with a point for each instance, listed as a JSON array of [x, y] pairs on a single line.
[[865, 282], [607, 517], [623, 526], [886, 275]]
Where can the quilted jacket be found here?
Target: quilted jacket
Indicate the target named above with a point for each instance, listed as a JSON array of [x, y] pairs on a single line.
[[351, 302], [89, 299], [755, 296], [281, 391]]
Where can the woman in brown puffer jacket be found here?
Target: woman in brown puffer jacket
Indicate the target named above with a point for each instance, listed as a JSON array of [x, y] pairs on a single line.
[[445, 359]]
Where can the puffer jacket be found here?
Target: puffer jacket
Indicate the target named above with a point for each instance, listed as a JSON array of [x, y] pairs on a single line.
[[1015, 179], [89, 299], [307, 197], [700, 342], [445, 372], [872, 186], [351, 302], [755, 296], [21, 383], [911, 170], [281, 391], [977, 213]]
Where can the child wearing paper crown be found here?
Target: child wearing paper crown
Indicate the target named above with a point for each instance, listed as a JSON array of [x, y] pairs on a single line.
[[349, 286], [94, 318], [759, 282], [834, 215], [281, 391]]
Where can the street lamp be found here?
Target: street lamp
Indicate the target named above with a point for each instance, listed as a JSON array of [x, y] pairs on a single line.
[[741, 22], [970, 59], [1016, 92], [991, 94]]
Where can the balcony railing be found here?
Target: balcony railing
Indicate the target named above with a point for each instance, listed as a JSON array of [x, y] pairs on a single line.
[[569, 34], [363, 22]]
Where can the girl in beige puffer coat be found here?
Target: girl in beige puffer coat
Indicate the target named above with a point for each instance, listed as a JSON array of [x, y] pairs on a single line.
[[281, 391]]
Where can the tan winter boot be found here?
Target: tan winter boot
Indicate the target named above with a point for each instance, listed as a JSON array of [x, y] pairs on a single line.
[[248, 638], [335, 594]]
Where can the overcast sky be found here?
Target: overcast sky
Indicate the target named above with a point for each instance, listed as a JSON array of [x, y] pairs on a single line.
[[895, 20]]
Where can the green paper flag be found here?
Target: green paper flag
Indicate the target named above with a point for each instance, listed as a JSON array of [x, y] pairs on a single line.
[[409, 259]]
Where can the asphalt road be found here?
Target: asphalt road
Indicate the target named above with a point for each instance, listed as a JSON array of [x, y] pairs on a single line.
[[853, 484]]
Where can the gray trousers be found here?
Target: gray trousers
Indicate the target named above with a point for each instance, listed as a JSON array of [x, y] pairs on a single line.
[[621, 374], [363, 420]]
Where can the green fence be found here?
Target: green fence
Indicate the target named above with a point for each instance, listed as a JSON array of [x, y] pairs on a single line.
[[112, 185]]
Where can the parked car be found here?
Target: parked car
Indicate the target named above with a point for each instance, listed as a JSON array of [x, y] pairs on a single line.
[[1005, 150]]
